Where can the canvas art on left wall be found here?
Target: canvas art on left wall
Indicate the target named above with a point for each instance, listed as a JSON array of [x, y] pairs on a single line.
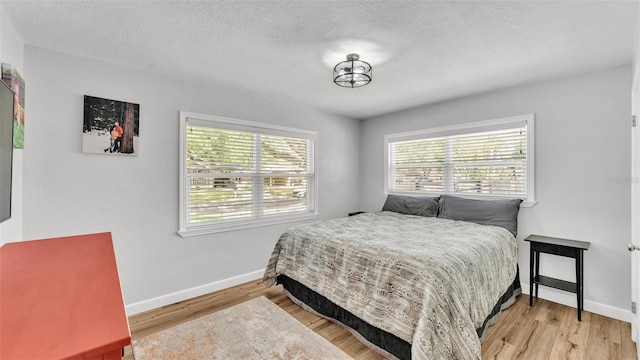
[[14, 80], [110, 126]]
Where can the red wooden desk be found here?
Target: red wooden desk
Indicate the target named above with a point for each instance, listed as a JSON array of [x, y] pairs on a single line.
[[61, 299]]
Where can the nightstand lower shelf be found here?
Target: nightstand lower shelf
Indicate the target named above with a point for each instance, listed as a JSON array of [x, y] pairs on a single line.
[[556, 283]]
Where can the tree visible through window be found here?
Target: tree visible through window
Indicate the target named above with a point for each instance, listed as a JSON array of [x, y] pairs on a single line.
[[242, 173], [484, 159]]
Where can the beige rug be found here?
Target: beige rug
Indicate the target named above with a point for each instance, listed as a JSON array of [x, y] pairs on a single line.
[[257, 329]]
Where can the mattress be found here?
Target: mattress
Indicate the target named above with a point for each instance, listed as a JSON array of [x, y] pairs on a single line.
[[430, 282]]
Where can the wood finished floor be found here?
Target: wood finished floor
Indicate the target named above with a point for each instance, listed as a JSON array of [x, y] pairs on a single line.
[[545, 331]]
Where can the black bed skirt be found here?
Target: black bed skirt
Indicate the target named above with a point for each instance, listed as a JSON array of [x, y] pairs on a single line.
[[380, 338]]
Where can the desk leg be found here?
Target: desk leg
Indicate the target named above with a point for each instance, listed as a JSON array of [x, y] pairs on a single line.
[[581, 279], [531, 260], [537, 270], [531, 275], [579, 285]]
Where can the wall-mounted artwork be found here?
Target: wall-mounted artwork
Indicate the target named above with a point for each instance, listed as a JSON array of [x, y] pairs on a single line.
[[110, 126], [12, 78]]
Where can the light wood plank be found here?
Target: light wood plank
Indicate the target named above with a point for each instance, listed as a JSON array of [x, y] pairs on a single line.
[[520, 330], [536, 346], [602, 349], [604, 338], [498, 350], [571, 341], [550, 312], [511, 315], [627, 345], [605, 328]]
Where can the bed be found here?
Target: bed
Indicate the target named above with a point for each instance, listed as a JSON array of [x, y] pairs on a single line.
[[421, 279]]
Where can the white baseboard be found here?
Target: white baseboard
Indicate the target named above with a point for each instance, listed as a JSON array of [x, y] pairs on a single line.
[[172, 298], [569, 299], [635, 323], [560, 297]]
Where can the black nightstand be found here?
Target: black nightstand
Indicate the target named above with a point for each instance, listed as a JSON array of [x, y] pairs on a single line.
[[562, 247]]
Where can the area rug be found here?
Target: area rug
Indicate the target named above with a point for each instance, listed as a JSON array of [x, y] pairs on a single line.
[[257, 329]]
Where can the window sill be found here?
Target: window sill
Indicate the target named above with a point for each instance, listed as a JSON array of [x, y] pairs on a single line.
[[243, 225]]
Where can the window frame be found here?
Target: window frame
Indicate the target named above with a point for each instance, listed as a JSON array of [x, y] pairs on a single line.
[[186, 230], [461, 129]]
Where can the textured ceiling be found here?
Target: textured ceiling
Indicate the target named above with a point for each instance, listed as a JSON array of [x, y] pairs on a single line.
[[421, 51]]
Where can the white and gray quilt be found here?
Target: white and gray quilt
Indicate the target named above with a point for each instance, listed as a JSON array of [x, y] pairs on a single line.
[[427, 280]]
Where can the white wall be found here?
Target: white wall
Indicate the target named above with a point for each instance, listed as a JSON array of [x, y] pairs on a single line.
[[136, 198], [11, 51], [582, 169], [583, 132]]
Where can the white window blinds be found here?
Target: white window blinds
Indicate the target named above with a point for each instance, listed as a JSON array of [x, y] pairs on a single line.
[[239, 174], [491, 158]]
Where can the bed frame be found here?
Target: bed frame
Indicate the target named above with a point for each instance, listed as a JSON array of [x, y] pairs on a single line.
[[380, 340]]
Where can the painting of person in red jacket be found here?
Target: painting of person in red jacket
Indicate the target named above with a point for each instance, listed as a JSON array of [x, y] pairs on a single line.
[[118, 143], [106, 120]]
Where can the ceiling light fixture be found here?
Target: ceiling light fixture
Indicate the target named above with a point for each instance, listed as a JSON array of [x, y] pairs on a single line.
[[352, 73]]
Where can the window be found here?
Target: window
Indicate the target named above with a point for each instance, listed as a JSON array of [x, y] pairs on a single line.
[[237, 174], [485, 159]]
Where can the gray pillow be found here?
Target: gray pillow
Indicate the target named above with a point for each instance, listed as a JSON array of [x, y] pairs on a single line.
[[412, 205], [499, 212]]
